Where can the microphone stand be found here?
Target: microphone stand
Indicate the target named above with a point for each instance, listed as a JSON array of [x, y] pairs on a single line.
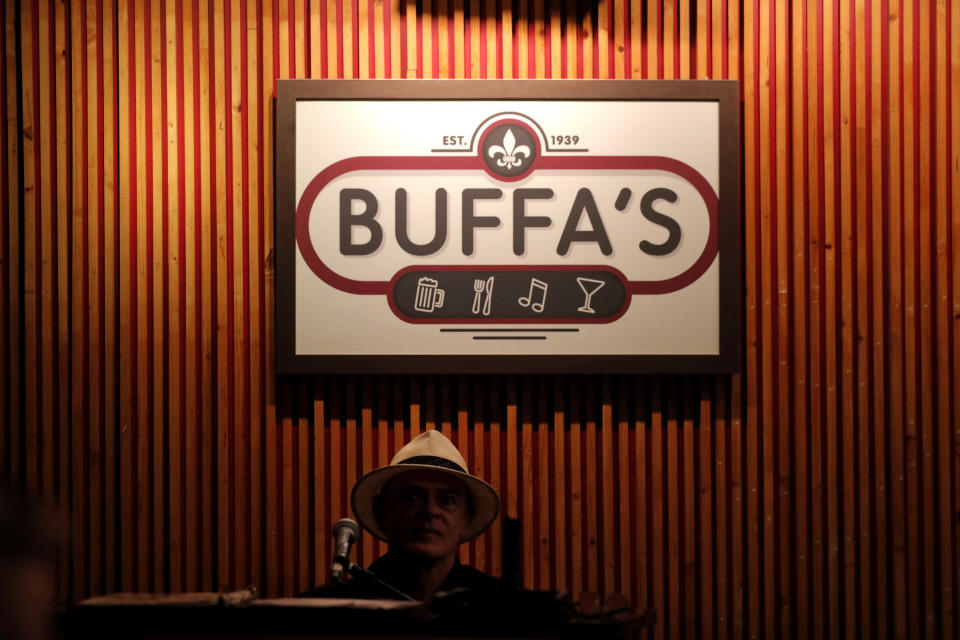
[[359, 572]]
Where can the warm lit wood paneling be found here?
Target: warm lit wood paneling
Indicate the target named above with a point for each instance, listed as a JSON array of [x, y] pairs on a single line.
[[814, 494]]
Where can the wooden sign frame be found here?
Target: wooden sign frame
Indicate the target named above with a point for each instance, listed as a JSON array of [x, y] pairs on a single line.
[[724, 93]]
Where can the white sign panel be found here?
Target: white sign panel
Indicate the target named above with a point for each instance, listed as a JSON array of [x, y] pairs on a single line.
[[571, 232]]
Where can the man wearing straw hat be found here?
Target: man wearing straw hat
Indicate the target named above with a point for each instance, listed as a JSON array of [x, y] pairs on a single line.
[[424, 505]]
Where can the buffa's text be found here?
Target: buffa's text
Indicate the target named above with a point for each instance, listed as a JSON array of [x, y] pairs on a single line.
[[360, 208]]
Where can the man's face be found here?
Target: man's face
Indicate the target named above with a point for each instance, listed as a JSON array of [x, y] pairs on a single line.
[[424, 513]]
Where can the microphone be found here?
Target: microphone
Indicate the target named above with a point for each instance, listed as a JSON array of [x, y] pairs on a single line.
[[345, 533]]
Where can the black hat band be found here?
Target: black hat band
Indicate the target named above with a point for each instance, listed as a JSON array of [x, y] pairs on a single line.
[[434, 461]]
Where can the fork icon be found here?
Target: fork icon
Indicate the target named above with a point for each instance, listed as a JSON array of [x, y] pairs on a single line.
[[478, 286]]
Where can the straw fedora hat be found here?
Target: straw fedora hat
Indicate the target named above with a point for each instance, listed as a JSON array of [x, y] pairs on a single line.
[[429, 450]]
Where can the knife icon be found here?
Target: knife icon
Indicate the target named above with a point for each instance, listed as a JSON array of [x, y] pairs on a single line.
[[489, 291]]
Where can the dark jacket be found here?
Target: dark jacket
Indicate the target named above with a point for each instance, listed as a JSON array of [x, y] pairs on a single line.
[[388, 570]]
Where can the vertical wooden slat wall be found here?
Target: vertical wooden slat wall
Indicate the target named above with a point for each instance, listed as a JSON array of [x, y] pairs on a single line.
[[812, 495]]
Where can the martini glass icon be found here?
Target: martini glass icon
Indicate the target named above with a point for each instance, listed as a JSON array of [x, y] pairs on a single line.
[[589, 286]]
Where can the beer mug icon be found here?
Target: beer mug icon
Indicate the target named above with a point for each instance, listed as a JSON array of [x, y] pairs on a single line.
[[429, 296]]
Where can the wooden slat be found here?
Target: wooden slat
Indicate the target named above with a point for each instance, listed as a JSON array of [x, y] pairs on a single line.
[[591, 506], [556, 34], [894, 310], [658, 586], [912, 425], [477, 468], [544, 493], [238, 303], [191, 302], [832, 400], [315, 26], [606, 482], [298, 27], [715, 67], [13, 186], [494, 563], [561, 482], [923, 303], [801, 252], [571, 37], [642, 582], [539, 43], [80, 329], [703, 38], [205, 106], [939, 323], [526, 474], [363, 39], [954, 155], [782, 445], [627, 464], [282, 24], [511, 466], [767, 292], [602, 36], [47, 232], [673, 535], [366, 451], [334, 52], [110, 206], [684, 43], [879, 433], [426, 40], [688, 533], [271, 495], [124, 294], [350, 448], [753, 146], [61, 288], [707, 526], [619, 39], [585, 37], [653, 37], [394, 15], [303, 576], [140, 218], [505, 45], [220, 77], [575, 508], [462, 442], [8, 188], [286, 517], [847, 292], [457, 39], [737, 486], [670, 41], [814, 274], [320, 514], [174, 264], [723, 570], [637, 50], [860, 220], [156, 300], [254, 211], [379, 57]]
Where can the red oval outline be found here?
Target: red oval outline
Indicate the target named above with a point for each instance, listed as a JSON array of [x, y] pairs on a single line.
[[473, 162]]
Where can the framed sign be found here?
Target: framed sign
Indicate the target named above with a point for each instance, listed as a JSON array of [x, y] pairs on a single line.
[[507, 226]]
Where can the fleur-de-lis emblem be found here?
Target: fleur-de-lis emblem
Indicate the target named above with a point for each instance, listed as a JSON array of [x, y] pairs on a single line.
[[511, 154]]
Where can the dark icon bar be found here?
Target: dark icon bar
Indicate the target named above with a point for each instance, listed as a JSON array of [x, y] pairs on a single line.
[[504, 295]]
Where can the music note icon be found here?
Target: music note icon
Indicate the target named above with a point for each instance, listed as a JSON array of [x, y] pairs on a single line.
[[538, 288]]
